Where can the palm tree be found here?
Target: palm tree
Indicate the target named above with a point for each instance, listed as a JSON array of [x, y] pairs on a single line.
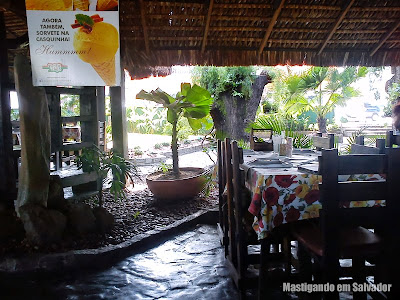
[[320, 90]]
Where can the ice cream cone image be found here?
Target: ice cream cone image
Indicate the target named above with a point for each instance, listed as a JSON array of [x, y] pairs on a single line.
[[106, 4], [96, 43], [106, 70], [48, 4], [81, 5]]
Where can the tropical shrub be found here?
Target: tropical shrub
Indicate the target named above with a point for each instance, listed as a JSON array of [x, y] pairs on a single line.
[[192, 103]]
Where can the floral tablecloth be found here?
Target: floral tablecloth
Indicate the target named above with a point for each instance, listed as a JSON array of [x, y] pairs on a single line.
[[284, 196]]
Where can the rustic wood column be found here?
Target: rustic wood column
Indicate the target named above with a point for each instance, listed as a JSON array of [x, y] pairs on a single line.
[[118, 118], [7, 172]]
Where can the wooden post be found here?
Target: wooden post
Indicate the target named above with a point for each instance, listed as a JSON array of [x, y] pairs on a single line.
[[101, 117], [88, 106], [7, 171], [55, 127], [118, 118]]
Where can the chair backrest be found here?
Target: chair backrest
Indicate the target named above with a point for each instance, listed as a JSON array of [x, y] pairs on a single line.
[[230, 204], [360, 148], [334, 193], [221, 167], [238, 181], [321, 142], [392, 139]]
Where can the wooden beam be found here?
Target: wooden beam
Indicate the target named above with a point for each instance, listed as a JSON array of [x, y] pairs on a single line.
[[17, 42], [385, 38], [144, 26], [210, 7], [337, 23], [270, 26]]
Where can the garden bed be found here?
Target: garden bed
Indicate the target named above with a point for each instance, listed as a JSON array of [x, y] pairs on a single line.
[[138, 213]]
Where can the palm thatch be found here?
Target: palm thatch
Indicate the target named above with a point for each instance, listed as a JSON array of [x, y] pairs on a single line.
[[254, 32]]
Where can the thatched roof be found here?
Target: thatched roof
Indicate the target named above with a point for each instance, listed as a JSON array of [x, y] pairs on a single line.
[[250, 32]]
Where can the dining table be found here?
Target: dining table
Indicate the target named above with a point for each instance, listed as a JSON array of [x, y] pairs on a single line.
[[286, 189]]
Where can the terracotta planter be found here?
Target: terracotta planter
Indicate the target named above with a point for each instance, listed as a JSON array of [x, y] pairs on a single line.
[[177, 189]]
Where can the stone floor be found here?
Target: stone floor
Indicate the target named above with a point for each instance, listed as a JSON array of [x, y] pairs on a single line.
[[188, 266]]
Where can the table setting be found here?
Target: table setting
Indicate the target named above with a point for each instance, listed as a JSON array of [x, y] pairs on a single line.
[[286, 189]]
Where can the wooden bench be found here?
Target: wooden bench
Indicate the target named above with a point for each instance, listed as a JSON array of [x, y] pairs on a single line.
[[72, 177]]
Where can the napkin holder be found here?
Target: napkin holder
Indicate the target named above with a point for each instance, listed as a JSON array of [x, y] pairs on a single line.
[[261, 139]]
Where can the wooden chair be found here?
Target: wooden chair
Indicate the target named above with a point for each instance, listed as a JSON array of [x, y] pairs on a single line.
[[240, 258], [392, 139], [360, 148], [321, 142], [340, 234], [222, 226]]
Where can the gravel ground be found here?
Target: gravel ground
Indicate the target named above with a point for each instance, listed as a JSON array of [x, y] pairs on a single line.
[[140, 212]]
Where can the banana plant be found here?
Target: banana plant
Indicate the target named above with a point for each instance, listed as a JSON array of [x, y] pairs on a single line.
[[192, 102]]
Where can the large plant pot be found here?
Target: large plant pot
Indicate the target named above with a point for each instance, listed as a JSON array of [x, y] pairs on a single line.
[[177, 189]]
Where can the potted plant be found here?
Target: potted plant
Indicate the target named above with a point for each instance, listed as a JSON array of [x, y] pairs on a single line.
[[96, 160], [193, 103]]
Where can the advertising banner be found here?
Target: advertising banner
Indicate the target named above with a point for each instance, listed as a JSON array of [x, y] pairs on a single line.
[[74, 42]]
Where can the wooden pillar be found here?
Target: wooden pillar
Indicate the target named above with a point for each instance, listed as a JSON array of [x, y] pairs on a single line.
[[118, 118], [101, 117], [88, 106], [7, 172]]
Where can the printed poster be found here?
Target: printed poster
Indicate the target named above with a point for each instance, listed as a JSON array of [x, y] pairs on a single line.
[[74, 42]]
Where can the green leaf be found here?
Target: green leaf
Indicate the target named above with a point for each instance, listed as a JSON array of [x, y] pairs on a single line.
[[172, 116], [195, 124], [84, 19], [157, 96], [185, 87], [199, 96]]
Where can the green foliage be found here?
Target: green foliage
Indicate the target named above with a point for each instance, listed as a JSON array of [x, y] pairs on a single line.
[[371, 139], [393, 95], [243, 144], [146, 120], [319, 89], [235, 80], [291, 127], [192, 103], [137, 151], [352, 140], [70, 105], [163, 167], [96, 160], [209, 183], [136, 214], [158, 146], [14, 114]]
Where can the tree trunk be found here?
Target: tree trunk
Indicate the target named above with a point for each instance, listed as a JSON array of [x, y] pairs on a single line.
[[237, 113], [35, 134], [321, 124], [174, 147]]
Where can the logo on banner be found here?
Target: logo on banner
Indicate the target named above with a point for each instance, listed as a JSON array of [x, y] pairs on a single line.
[[55, 67]]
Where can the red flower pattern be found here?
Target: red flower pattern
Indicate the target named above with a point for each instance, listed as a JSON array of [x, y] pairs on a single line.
[[312, 196], [292, 215], [289, 198], [284, 180], [271, 196]]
